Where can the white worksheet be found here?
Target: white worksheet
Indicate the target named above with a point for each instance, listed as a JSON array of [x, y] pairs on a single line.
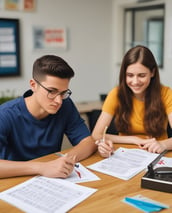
[[124, 163], [82, 174], [46, 195], [164, 162]]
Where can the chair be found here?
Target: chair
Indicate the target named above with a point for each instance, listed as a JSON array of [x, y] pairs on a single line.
[[92, 118]]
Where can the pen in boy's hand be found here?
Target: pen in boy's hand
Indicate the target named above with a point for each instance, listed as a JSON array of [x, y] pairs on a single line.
[[76, 165], [62, 155]]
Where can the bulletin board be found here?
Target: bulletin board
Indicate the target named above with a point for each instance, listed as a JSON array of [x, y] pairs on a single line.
[[9, 47]]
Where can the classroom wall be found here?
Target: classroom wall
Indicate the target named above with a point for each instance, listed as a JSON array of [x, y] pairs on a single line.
[[94, 34], [89, 27]]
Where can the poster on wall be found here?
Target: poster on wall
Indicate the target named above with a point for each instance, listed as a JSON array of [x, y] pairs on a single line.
[[49, 38], [20, 5], [12, 4], [9, 47], [28, 5]]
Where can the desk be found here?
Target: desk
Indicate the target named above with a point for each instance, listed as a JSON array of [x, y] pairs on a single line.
[[84, 107], [90, 112], [110, 192]]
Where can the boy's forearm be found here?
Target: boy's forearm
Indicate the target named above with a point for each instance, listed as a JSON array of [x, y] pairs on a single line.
[[15, 168]]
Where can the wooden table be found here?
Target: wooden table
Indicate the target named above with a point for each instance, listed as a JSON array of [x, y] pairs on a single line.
[[88, 106], [110, 192]]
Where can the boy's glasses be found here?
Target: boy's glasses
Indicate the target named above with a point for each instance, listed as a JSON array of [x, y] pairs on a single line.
[[54, 93]]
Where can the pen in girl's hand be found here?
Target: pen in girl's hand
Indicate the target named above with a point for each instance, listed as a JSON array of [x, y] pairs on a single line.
[[104, 133], [103, 139]]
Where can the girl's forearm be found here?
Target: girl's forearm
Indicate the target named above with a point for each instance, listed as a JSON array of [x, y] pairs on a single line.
[[122, 139]]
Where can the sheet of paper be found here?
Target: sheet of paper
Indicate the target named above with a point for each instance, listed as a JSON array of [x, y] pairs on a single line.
[[164, 161], [124, 163], [42, 195], [85, 175]]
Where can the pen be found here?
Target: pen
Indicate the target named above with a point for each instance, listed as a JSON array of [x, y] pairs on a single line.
[[76, 165], [104, 133], [103, 138], [78, 173], [62, 155]]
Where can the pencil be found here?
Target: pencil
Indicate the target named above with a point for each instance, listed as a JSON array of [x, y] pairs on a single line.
[[104, 133]]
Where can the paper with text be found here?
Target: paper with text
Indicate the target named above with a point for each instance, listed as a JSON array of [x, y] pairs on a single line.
[[164, 161], [124, 163], [43, 195], [85, 175]]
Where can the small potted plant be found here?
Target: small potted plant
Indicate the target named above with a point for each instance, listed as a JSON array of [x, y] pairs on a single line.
[[6, 96]]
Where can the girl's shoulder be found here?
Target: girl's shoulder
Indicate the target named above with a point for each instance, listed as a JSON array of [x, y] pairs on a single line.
[[166, 90], [113, 91]]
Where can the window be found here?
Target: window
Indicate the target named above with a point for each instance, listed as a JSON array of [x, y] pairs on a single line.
[[145, 26]]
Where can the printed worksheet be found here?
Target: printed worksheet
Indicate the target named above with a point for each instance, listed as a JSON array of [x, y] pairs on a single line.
[[124, 163], [41, 195], [164, 161], [82, 174]]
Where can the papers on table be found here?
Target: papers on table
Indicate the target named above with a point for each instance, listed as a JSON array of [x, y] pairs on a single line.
[[164, 161], [42, 195], [80, 173], [124, 163], [84, 175]]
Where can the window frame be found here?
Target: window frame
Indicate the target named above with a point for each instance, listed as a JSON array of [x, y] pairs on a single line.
[[133, 11]]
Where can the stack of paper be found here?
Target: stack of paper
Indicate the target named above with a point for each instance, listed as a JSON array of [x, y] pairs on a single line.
[[42, 195]]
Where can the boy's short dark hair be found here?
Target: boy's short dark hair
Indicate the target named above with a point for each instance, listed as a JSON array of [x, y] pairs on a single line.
[[51, 65]]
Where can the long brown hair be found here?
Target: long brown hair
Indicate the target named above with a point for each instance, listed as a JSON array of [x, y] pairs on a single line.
[[154, 116]]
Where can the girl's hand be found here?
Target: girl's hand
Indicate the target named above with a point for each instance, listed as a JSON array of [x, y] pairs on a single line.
[[105, 148], [142, 141], [154, 146]]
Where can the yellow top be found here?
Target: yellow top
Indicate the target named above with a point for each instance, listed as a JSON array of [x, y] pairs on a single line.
[[111, 102]]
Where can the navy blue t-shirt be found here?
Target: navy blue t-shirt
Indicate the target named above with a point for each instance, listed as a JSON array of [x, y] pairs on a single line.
[[23, 137]]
